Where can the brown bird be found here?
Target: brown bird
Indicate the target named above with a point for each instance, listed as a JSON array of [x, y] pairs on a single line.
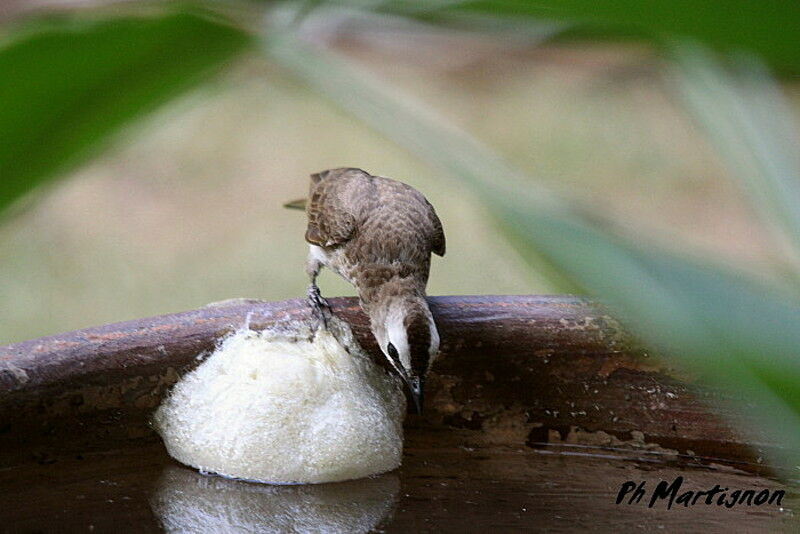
[[378, 234]]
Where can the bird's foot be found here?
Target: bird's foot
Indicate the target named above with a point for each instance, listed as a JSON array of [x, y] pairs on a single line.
[[320, 309]]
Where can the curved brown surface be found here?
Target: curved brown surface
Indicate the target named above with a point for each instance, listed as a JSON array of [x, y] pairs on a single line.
[[520, 371]]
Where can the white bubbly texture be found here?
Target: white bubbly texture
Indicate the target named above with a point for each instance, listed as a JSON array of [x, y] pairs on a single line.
[[273, 409]]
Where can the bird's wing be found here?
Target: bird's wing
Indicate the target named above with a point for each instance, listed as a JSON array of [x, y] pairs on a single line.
[[420, 208], [334, 230], [329, 222], [437, 240]]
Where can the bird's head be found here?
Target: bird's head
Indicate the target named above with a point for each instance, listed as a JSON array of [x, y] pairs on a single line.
[[404, 328]]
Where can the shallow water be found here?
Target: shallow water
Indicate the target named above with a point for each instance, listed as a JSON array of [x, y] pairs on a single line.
[[450, 488]]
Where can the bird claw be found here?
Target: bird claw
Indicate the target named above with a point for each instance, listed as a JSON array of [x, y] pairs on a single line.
[[320, 309]]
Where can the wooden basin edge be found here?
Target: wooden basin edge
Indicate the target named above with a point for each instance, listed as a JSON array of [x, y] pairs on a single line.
[[514, 371]]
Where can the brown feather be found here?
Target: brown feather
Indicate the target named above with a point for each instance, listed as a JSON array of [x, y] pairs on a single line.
[[373, 229]]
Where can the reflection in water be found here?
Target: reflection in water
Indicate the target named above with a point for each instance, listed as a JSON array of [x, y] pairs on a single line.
[[186, 501]]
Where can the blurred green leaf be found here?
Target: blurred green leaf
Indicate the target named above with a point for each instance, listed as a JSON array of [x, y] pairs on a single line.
[[746, 116], [769, 28], [67, 86]]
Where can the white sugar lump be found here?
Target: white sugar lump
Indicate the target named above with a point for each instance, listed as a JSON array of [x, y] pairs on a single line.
[[280, 408]]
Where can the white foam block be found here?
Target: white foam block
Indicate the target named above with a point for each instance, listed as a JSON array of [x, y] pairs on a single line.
[[270, 408]]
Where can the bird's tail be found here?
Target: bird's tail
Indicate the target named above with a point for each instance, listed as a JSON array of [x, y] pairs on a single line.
[[299, 204]]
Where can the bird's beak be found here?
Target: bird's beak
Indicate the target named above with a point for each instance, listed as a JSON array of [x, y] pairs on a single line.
[[417, 393], [414, 390]]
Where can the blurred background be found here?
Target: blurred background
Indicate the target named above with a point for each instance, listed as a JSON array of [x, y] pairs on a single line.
[[186, 210], [643, 153]]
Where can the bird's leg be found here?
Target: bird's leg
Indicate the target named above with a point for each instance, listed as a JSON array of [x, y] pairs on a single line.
[[320, 308]]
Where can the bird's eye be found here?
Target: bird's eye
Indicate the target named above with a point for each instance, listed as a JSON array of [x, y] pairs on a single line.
[[392, 352]]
